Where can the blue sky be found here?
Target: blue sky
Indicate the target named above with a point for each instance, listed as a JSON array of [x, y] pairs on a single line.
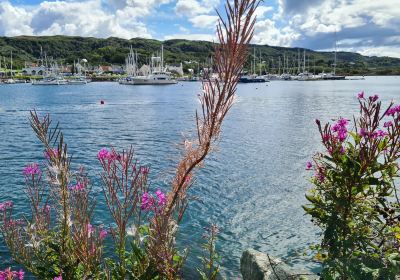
[[365, 26]]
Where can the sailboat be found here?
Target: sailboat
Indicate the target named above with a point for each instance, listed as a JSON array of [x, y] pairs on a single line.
[[245, 77], [130, 68], [10, 80], [78, 78], [158, 76], [332, 75]]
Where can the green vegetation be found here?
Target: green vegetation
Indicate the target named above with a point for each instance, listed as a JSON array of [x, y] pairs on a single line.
[[114, 50]]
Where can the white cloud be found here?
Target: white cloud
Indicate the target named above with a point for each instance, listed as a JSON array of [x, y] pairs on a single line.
[[262, 10], [190, 8], [267, 33], [13, 20], [204, 21], [82, 18]]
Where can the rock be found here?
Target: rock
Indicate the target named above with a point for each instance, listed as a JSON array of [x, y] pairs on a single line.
[[255, 265]]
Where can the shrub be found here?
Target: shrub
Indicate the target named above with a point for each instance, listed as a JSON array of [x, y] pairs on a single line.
[[354, 199]]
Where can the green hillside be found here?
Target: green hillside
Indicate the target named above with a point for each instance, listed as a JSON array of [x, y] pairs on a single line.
[[114, 50]]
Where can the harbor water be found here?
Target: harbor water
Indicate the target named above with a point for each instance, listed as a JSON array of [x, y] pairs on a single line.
[[252, 186]]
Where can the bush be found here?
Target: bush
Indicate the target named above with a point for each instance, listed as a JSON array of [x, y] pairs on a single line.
[[354, 199]]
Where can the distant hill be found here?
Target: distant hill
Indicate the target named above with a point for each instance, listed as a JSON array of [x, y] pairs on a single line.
[[112, 50]]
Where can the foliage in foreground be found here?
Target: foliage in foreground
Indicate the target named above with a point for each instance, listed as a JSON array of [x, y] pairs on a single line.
[[354, 199], [59, 240]]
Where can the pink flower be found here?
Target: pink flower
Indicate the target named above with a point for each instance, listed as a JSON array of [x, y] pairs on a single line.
[[147, 201], [374, 98], [78, 187], [363, 132], [391, 112], [6, 205], [58, 277], [31, 169], [361, 95], [90, 229], [102, 154], [381, 133], [342, 150], [308, 165], [161, 198], [144, 170], [20, 274], [103, 234], [387, 124]]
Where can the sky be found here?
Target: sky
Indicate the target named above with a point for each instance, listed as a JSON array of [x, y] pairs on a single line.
[[369, 27]]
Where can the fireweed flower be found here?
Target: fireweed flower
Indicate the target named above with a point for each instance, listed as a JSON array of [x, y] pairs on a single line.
[[147, 201], [387, 124], [308, 165], [90, 229], [363, 132], [144, 170], [340, 128], [78, 187], [31, 169], [102, 154], [58, 277], [20, 274], [374, 98], [381, 133], [161, 198], [361, 95], [6, 205], [103, 233]]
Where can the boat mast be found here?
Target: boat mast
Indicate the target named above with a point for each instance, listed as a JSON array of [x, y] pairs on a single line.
[[334, 65], [298, 61], [11, 68], [162, 58]]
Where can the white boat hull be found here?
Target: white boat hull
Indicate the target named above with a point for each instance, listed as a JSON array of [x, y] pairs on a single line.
[[49, 83], [153, 82]]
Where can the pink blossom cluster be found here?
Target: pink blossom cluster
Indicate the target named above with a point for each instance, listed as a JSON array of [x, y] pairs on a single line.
[[149, 202], [373, 135], [393, 110], [78, 187], [8, 274], [90, 230], [6, 205], [58, 277], [105, 154], [103, 234], [340, 128], [31, 169]]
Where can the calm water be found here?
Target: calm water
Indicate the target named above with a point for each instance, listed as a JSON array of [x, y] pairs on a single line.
[[252, 187]]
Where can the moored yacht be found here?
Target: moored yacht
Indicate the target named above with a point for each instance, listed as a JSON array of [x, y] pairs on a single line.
[[50, 80]]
